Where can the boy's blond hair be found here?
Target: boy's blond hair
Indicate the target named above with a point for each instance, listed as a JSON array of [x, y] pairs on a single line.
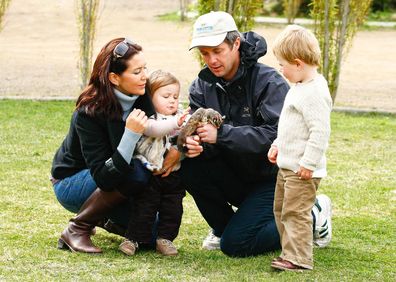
[[160, 78], [296, 42]]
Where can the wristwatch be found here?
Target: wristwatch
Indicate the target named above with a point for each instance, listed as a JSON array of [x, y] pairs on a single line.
[[111, 167]]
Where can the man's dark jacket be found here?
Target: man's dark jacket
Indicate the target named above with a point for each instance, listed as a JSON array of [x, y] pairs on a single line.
[[251, 103], [92, 144]]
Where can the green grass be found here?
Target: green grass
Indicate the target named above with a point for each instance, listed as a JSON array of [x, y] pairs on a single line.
[[384, 16], [361, 183]]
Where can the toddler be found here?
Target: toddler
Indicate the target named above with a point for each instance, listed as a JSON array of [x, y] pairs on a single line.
[[299, 149], [165, 191]]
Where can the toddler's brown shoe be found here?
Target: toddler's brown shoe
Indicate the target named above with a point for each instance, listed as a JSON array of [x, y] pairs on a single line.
[[166, 247], [128, 247]]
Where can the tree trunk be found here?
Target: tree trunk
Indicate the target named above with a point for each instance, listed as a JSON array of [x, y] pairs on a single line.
[[87, 15], [3, 8], [230, 8], [326, 43], [183, 9], [217, 5], [341, 44], [290, 11]]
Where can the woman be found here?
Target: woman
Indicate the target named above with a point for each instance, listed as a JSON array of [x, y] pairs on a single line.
[[93, 169]]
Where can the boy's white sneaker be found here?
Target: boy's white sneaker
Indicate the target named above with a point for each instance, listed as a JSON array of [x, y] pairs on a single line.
[[323, 229], [211, 242]]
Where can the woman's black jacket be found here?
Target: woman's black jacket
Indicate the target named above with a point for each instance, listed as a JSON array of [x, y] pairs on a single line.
[[91, 143]]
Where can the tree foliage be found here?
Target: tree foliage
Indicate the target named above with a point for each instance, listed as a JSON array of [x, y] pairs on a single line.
[[383, 5], [336, 23], [243, 11], [3, 8], [87, 11]]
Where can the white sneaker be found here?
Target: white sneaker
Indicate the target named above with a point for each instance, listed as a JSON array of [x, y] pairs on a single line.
[[323, 229], [211, 242]]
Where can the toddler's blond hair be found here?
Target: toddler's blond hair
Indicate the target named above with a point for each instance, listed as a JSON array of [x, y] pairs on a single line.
[[296, 42]]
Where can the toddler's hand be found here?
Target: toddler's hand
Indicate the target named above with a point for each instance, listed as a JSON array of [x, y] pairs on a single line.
[[272, 154], [183, 116], [304, 173]]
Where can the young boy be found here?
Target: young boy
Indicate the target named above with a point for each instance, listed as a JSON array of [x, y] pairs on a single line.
[[299, 149]]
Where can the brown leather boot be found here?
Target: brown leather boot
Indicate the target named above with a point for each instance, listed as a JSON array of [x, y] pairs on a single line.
[[77, 236]]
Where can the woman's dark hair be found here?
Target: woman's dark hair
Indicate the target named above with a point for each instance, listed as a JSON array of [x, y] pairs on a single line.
[[98, 97]]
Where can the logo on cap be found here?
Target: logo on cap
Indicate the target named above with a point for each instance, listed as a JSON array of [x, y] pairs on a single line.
[[204, 28]]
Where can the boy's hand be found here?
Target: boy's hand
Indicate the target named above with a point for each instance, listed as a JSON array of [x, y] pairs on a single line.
[[304, 173], [272, 154]]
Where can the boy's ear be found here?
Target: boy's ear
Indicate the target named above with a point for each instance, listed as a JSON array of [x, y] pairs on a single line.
[[299, 62], [114, 78]]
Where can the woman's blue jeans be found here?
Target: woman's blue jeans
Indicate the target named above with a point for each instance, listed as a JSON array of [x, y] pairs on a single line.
[[73, 191]]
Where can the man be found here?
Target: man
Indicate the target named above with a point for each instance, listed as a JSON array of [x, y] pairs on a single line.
[[227, 167]]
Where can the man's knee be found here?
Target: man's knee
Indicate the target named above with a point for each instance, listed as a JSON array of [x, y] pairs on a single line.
[[235, 242], [240, 243], [233, 246]]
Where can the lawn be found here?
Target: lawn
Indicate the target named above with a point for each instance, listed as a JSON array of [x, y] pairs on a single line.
[[361, 184]]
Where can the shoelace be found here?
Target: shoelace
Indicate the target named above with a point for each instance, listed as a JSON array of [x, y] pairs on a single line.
[[211, 236], [166, 242], [128, 243]]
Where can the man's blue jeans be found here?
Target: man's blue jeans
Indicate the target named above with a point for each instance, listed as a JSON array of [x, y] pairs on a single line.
[[251, 230]]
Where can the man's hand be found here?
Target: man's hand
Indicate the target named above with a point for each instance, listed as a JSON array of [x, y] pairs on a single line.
[[207, 133], [273, 154], [193, 146]]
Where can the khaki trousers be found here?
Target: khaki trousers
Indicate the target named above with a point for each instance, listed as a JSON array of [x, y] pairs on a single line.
[[293, 202]]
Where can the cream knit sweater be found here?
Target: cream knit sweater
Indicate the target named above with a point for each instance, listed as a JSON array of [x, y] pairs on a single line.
[[304, 127]]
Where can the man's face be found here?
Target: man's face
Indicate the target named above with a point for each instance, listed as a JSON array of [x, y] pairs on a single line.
[[222, 60]]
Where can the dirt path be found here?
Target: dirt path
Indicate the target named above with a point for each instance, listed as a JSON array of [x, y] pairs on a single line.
[[39, 50]]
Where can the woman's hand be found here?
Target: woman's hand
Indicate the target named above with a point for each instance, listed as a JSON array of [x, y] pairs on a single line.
[[136, 121], [171, 160]]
